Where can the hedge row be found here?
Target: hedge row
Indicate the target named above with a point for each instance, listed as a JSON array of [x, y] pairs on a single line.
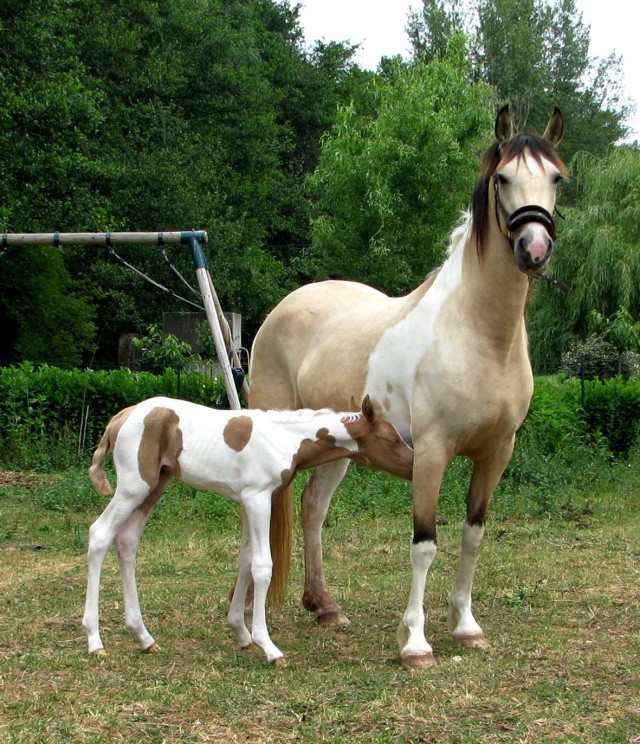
[[48, 414], [606, 412]]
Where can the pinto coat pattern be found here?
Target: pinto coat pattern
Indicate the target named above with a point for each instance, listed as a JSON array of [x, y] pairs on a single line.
[[449, 364], [247, 456]]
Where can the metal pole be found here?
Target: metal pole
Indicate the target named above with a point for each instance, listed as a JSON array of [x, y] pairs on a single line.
[[226, 333], [103, 238], [206, 287]]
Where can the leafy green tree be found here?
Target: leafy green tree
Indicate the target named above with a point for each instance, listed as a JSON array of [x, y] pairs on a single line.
[[41, 314], [391, 184], [597, 256], [535, 53], [133, 115]]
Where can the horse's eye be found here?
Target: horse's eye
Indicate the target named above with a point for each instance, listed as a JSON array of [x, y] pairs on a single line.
[[501, 178], [558, 179]]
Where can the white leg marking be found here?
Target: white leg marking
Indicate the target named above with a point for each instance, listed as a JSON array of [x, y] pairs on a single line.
[[461, 621], [411, 637]]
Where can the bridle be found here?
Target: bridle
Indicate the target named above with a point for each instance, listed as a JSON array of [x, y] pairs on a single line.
[[522, 215]]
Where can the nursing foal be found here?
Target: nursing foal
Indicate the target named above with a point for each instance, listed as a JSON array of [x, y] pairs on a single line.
[[246, 455]]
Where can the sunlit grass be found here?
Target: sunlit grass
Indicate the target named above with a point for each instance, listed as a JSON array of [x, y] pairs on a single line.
[[557, 592]]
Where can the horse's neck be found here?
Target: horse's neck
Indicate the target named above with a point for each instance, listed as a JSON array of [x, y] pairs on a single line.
[[493, 290]]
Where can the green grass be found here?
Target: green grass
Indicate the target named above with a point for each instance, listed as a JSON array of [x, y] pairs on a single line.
[[557, 592]]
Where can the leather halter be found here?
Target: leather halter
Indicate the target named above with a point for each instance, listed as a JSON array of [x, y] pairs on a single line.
[[522, 215]]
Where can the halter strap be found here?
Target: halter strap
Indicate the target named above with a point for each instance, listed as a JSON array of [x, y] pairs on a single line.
[[523, 215]]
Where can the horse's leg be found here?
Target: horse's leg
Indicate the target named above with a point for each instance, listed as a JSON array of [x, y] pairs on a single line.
[[127, 543], [237, 615], [101, 536], [316, 498], [428, 469], [485, 478], [258, 516]]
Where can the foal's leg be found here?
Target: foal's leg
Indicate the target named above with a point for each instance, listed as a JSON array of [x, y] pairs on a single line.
[[127, 542], [237, 616], [484, 479], [428, 469], [101, 535], [258, 516], [316, 498]]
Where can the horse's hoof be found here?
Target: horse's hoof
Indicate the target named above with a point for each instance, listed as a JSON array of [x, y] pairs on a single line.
[[153, 649], [336, 618], [473, 641], [279, 662], [418, 661], [100, 653]]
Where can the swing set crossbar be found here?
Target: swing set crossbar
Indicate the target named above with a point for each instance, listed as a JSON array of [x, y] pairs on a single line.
[[104, 238]]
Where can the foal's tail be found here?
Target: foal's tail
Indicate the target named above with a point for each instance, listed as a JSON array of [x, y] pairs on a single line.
[[96, 470], [281, 538]]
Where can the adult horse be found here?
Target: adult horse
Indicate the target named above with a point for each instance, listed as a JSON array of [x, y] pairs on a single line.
[[449, 362]]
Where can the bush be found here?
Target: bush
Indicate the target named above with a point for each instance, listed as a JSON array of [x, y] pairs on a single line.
[[554, 414], [51, 416], [612, 411], [596, 358]]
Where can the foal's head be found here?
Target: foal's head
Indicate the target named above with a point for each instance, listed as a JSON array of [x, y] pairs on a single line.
[[517, 187], [380, 446]]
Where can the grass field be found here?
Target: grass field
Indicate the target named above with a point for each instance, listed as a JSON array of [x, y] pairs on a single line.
[[557, 592]]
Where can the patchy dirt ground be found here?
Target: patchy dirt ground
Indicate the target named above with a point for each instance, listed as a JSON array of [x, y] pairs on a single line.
[[24, 480]]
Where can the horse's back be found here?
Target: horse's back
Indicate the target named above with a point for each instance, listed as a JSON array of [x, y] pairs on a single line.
[[317, 339]]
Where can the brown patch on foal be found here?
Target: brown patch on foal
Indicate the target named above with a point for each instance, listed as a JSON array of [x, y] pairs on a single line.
[[160, 445], [237, 432]]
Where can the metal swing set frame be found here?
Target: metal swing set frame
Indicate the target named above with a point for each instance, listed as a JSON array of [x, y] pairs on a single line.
[[195, 239]]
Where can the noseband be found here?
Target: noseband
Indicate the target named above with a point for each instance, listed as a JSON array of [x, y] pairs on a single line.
[[522, 216]]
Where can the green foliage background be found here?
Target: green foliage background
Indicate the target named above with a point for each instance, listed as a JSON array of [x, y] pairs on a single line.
[[300, 165]]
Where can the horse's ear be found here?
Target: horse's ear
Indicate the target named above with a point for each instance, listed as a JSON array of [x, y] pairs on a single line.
[[354, 404], [555, 128], [504, 125], [368, 410]]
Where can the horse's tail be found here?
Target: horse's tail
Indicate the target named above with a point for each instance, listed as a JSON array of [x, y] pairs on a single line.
[[281, 538], [106, 445], [96, 470]]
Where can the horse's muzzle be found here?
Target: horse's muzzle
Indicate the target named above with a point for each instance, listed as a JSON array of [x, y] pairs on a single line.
[[533, 248]]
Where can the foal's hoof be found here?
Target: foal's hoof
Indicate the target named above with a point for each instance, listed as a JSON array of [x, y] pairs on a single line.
[[473, 641], [100, 653], [336, 618], [418, 661], [279, 662], [153, 649]]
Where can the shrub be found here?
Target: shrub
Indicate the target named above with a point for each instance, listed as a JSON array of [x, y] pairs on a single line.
[[49, 415], [554, 414], [595, 358], [612, 411]]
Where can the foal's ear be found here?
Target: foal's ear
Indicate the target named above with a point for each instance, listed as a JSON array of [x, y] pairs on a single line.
[[555, 128], [368, 410], [504, 125]]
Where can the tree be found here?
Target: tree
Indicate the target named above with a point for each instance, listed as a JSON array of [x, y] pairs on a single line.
[[597, 256], [535, 53], [169, 115], [390, 185]]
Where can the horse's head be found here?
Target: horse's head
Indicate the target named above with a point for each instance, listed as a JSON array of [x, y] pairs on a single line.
[[518, 186], [380, 446]]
